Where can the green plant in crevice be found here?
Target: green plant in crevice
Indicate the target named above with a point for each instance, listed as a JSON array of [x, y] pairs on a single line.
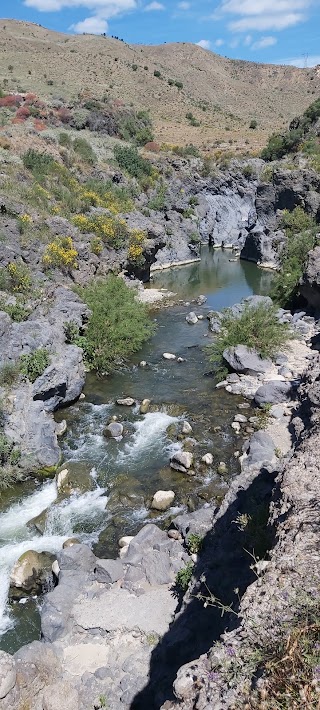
[[257, 327], [194, 543], [183, 577], [34, 364], [9, 373]]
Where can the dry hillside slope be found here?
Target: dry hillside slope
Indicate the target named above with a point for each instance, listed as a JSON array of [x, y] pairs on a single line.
[[223, 95]]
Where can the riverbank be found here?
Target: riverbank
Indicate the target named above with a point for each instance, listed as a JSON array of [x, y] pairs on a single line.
[[102, 624]]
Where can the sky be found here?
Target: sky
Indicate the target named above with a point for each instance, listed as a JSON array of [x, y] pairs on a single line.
[[277, 31]]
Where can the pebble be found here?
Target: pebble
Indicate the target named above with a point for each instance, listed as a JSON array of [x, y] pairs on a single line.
[[169, 356], [143, 363], [186, 428], [126, 402], [236, 427], [207, 459], [181, 359], [222, 468]]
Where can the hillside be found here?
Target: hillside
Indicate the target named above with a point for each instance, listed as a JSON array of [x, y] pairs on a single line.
[[222, 95]]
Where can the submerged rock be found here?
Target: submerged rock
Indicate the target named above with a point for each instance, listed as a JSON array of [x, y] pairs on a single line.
[[144, 406], [191, 318], [207, 459], [162, 500], [113, 430]]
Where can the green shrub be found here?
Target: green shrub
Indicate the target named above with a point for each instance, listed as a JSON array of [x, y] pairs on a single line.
[[38, 163], [179, 84], [130, 160], [137, 127], [257, 327], [158, 201], [301, 231], [65, 140], [34, 364], [186, 151], [253, 124], [9, 458], [183, 577], [17, 311], [118, 326], [157, 74], [192, 119], [248, 171], [9, 373], [84, 150], [194, 543], [80, 118]]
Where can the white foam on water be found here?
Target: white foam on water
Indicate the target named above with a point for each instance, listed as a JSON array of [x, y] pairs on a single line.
[[149, 432], [14, 520], [61, 522]]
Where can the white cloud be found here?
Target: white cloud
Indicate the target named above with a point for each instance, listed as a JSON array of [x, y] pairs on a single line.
[[264, 42], [263, 15], [219, 42], [302, 61], [204, 43], [154, 6], [91, 25], [266, 22], [102, 8], [184, 5], [247, 41]]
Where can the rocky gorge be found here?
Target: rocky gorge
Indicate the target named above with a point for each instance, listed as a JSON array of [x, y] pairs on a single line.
[[122, 633]]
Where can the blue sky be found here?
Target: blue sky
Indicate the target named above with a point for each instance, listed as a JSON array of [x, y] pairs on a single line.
[[280, 31]]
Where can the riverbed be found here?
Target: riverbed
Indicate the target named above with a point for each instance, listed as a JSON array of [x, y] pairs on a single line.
[[114, 481]]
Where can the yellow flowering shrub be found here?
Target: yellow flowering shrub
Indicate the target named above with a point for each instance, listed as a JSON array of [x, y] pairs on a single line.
[[136, 246], [19, 277], [112, 231], [61, 253], [108, 199], [24, 221]]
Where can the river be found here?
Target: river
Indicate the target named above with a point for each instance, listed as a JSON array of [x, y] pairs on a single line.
[[115, 480]]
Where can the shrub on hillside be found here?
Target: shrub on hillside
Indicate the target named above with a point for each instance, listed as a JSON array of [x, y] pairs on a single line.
[[84, 150], [61, 254], [130, 160], [38, 163], [257, 327], [118, 326]]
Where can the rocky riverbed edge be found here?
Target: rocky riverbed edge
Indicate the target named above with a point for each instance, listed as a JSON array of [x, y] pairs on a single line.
[[122, 634]]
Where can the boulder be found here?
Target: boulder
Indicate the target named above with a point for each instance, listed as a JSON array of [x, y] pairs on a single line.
[[245, 360], [201, 300], [186, 428], [181, 461], [70, 542], [8, 674], [62, 479], [126, 402], [31, 572], [125, 541], [162, 500], [191, 318], [273, 392], [260, 449], [109, 571], [113, 430], [169, 356], [310, 280], [144, 406]]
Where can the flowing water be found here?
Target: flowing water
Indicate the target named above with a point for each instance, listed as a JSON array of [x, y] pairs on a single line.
[[113, 481]]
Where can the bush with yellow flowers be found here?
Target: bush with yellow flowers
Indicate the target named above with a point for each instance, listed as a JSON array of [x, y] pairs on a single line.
[[19, 277], [24, 221], [112, 231], [61, 253], [136, 246]]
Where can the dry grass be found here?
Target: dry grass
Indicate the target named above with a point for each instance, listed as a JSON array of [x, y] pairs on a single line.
[[232, 92]]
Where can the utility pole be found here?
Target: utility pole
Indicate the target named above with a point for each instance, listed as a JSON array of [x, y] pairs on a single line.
[[306, 57]]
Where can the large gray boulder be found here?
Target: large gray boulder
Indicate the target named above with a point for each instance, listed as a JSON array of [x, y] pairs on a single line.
[[310, 280], [8, 674], [273, 392], [245, 360], [260, 450], [31, 573]]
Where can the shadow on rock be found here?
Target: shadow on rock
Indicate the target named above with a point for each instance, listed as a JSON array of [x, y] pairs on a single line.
[[239, 537]]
